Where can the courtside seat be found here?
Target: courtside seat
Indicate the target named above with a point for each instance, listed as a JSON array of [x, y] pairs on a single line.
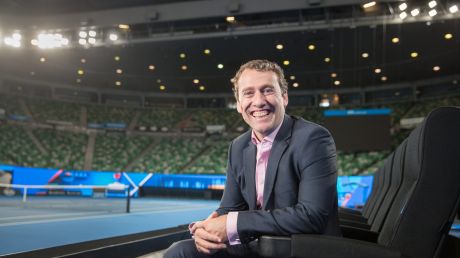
[[418, 219]]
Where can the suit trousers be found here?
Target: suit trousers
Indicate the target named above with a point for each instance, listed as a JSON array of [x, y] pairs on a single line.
[[187, 249]]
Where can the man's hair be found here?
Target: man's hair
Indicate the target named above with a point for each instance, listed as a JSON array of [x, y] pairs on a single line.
[[261, 66]]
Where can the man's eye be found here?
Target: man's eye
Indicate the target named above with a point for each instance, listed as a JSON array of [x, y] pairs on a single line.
[[268, 91], [247, 93]]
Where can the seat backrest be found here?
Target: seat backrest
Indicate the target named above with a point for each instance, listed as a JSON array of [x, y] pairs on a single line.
[[378, 188], [384, 186], [397, 174], [419, 220]]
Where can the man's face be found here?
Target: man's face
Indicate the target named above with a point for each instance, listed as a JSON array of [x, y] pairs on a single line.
[[260, 101]]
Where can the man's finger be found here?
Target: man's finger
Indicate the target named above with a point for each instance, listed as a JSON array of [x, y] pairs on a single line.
[[214, 214], [201, 233], [204, 244], [198, 224]]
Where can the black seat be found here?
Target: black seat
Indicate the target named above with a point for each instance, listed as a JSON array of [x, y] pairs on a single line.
[[417, 220]]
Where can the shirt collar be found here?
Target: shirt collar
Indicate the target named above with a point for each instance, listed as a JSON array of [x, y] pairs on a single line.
[[269, 138]]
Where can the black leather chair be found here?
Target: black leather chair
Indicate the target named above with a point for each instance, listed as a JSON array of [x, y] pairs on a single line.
[[417, 220]]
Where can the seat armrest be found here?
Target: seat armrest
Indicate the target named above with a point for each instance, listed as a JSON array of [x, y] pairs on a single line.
[[273, 246], [321, 246], [359, 233]]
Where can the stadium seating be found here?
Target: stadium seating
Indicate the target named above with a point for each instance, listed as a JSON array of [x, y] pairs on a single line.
[[16, 148], [45, 110], [108, 114], [415, 222], [162, 117]]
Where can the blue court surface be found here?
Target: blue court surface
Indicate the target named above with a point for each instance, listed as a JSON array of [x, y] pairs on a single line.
[[51, 222]]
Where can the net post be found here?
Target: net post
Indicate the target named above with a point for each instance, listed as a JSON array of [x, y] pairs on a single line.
[[128, 199], [24, 195]]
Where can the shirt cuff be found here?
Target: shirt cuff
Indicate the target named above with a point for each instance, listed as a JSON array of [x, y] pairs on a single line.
[[232, 231]]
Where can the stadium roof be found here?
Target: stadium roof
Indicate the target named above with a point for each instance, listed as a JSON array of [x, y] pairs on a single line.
[[171, 44]]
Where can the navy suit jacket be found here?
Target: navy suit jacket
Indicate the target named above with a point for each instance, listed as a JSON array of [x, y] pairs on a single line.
[[300, 192]]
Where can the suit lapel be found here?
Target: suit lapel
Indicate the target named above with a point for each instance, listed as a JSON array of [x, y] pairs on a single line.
[[279, 146], [249, 161]]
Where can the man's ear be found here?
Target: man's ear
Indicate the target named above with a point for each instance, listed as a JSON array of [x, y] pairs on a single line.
[[238, 107], [285, 99]]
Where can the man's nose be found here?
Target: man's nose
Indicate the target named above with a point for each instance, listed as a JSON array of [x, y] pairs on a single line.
[[259, 99]]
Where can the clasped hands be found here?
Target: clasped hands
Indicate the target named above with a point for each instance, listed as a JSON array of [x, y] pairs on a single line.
[[210, 235]]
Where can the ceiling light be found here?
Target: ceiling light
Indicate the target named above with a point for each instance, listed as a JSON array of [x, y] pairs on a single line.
[[402, 6], [151, 67], [337, 82], [414, 54], [92, 41], [82, 41], [286, 62], [196, 81], [377, 70], [295, 85], [279, 46], [383, 78], [83, 34], [183, 67], [119, 71], [448, 36], [92, 33], [436, 68], [327, 59], [432, 4], [202, 88], [292, 77], [403, 15], [162, 87], [78, 80], [415, 12], [365, 55], [311, 47], [123, 26], [83, 60], [42, 59], [453, 8], [369, 4], [432, 12], [333, 75], [220, 66], [113, 37], [230, 19], [207, 51], [158, 81], [395, 40], [80, 72], [182, 55], [117, 83], [117, 58]]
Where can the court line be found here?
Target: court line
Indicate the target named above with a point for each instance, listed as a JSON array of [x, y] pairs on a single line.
[[101, 216]]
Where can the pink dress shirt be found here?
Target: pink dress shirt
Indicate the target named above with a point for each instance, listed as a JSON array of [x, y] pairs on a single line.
[[263, 152]]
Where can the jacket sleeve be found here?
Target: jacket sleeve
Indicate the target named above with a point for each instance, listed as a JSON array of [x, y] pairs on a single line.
[[315, 162]]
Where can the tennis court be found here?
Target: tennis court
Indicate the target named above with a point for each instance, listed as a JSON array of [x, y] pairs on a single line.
[[49, 221]]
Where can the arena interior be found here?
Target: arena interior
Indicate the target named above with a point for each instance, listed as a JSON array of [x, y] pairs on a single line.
[[116, 118]]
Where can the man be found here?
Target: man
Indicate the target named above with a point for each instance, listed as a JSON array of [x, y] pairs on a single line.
[[281, 174]]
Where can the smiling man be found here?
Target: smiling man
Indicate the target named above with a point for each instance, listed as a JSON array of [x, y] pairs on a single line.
[[281, 174]]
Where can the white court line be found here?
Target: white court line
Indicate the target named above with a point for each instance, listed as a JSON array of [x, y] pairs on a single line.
[[50, 215], [99, 216]]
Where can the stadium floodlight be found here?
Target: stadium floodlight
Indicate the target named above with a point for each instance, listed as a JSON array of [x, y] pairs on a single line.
[[453, 8], [92, 33], [432, 4], [92, 41], [432, 12], [113, 36], [415, 12], [49, 40], [14, 40], [403, 15], [402, 6], [82, 42], [369, 4], [83, 34]]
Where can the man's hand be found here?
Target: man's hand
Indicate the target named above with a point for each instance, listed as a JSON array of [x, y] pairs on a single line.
[[210, 235]]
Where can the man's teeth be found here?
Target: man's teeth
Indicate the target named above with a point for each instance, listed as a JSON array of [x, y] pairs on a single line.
[[260, 113]]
